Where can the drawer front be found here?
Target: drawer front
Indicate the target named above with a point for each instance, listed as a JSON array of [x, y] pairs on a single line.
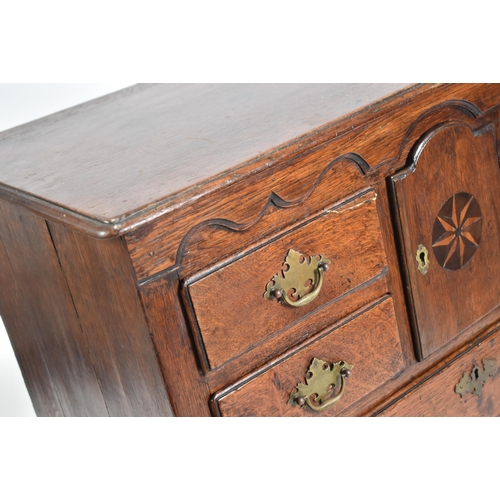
[[369, 342], [230, 314], [474, 375], [448, 204]]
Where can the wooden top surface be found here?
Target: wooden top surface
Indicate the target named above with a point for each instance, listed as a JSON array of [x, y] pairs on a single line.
[[122, 153]]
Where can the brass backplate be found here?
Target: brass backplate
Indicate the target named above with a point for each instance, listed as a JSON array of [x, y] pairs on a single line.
[[321, 379], [422, 258], [474, 381], [300, 274]]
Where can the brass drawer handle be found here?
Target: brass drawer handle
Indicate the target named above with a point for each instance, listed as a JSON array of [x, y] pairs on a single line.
[[301, 273], [321, 381]]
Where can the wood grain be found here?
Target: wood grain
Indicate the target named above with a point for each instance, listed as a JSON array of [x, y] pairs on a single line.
[[179, 134], [103, 290], [218, 239], [436, 397], [370, 342], [92, 341], [42, 322], [380, 138], [416, 373], [282, 341], [391, 111], [394, 275], [451, 160], [233, 316], [187, 388]]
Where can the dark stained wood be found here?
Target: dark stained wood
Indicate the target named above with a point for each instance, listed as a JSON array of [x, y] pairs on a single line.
[[497, 131], [179, 135], [28, 353], [187, 388], [436, 396], [102, 285], [370, 342], [446, 301], [381, 139], [43, 326], [194, 218], [233, 316], [396, 108]]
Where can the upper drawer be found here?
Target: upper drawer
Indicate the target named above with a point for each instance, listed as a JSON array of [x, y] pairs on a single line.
[[230, 313]]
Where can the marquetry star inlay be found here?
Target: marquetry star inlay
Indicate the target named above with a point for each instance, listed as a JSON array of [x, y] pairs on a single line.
[[457, 231]]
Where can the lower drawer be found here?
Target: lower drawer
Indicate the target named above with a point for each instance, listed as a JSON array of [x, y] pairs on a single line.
[[369, 342], [474, 374]]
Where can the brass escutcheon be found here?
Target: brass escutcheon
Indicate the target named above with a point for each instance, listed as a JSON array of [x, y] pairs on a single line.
[[322, 379], [422, 258], [474, 381], [301, 280]]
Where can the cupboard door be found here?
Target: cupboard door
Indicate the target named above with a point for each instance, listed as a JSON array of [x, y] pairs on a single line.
[[447, 205]]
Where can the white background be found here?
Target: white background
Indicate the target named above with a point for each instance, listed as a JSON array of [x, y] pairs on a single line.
[[21, 103], [258, 41]]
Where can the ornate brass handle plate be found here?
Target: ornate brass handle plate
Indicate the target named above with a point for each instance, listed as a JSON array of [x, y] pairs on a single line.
[[322, 379], [422, 259], [478, 376], [301, 280]]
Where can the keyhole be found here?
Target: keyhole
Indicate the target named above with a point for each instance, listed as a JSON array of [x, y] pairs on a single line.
[[422, 258], [476, 373]]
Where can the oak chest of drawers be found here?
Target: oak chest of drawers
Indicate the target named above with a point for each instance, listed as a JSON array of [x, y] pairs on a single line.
[[257, 250]]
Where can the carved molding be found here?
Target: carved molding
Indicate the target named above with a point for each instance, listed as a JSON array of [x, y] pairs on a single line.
[[445, 112], [274, 200], [451, 112]]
